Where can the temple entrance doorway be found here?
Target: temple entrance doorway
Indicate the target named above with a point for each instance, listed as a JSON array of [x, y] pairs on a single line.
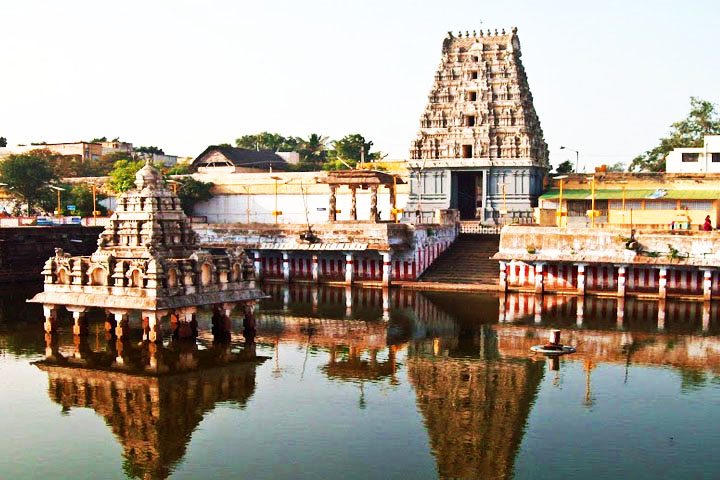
[[469, 194]]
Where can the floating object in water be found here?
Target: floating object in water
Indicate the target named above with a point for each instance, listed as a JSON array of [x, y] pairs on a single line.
[[553, 347]]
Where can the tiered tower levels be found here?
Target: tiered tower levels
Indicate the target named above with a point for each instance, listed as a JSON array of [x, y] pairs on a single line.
[[147, 259], [480, 106]]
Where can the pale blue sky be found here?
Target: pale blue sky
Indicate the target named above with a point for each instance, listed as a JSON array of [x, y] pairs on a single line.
[[607, 77]]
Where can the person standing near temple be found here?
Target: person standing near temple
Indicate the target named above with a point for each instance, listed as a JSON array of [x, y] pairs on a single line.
[[708, 224]]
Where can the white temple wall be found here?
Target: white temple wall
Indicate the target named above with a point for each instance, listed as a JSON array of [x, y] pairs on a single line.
[[233, 208]]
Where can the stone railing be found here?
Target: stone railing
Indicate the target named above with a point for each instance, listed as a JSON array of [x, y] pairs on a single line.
[[476, 227]]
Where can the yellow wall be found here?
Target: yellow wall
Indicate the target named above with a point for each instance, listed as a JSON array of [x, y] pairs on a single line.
[[663, 217], [660, 218]]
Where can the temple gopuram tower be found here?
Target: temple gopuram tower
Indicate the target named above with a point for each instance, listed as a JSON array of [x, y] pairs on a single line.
[[480, 147]]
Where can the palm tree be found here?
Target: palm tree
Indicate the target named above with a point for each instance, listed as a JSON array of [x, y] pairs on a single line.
[[313, 151]]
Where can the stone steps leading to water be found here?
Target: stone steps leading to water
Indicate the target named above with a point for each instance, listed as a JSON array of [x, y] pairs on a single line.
[[466, 261]]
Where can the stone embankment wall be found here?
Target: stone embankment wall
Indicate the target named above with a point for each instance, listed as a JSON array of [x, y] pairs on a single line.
[[344, 252], [24, 250], [683, 263]]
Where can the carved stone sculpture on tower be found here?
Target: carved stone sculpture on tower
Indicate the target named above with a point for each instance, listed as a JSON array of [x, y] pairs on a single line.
[[147, 259]]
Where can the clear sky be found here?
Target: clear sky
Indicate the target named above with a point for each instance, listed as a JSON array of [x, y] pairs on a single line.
[[608, 77]]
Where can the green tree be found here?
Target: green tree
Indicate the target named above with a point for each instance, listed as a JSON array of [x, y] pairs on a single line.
[[82, 197], [27, 176], [313, 152], [98, 140], [155, 150], [122, 176], [347, 151], [268, 141], [702, 120], [178, 169], [564, 168], [3, 142], [191, 191]]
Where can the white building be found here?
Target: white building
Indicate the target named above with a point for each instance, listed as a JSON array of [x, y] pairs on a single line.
[[243, 197], [705, 159]]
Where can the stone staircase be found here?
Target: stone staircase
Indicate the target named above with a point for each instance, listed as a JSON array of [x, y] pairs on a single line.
[[467, 261]]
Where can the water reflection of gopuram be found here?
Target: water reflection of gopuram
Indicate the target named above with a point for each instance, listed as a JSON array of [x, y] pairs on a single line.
[[468, 357], [474, 403], [152, 396]]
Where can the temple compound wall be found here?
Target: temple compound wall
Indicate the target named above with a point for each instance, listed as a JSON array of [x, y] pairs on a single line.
[[610, 261], [23, 250], [480, 147], [343, 253], [300, 197]]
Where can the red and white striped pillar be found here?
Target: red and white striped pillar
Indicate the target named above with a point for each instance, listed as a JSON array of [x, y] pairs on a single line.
[[286, 266], [662, 283], [707, 285], [386, 270], [621, 281], [581, 279], [349, 273], [539, 278], [503, 276], [315, 269]]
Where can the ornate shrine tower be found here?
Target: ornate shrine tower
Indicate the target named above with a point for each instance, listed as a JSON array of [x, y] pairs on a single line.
[[480, 148], [148, 261]]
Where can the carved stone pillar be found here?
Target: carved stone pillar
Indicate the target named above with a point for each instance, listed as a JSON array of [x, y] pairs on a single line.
[[353, 203], [50, 312], [393, 204], [332, 210], [151, 325], [249, 325], [52, 347], [80, 326], [187, 326], [221, 323], [122, 326], [374, 217]]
